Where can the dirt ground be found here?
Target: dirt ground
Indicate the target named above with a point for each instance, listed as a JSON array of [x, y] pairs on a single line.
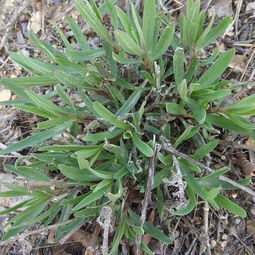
[[228, 234]]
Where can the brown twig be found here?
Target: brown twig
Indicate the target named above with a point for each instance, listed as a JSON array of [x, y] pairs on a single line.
[[238, 9], [247, 65], [147, 196], [239, 186], [168, 147], [104, 221], [33, 232]]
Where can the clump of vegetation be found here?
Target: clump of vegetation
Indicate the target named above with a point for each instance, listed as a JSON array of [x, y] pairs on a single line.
[[146, 93]]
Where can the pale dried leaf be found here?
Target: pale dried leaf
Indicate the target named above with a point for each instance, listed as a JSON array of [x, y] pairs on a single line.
[[250, 7], [5, 94], [250, 142], [223, 8], [35, 22]]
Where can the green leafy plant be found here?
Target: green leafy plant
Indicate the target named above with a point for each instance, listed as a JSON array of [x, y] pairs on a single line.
[[128, 141]]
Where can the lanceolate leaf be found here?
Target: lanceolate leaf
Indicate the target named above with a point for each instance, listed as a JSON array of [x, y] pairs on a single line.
[[37, 138], [142, 146], [198, 111], [215, 32], [77, 174], [230, 206], [128, 44], [243, 106], [150, 229], [149, 17], [178, 63], [163, 42], [204, 150], [217, 69], [80, 37], [90, 198], [91, 17], [110, 117], [130, 103], [29, 173]]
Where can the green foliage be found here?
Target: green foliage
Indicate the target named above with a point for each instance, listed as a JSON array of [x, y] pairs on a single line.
[[123, 119]]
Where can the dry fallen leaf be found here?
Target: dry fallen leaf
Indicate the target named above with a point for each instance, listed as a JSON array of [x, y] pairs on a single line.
[[250, 142], [81, 237], [250, 227], [5, 94], [238, 63], [250, 6], [223, 8], [35, 22]]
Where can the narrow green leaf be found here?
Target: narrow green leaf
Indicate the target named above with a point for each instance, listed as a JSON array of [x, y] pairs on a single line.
[[215, 32], [90, 198], [149, 17], [79, 35], [35, 110], [142, 146], [29, 173], [212, 176], [164, 42], [230, 206], [243, 106], [225, 123], [110, 117], [215, 71], [65, 98], [211, 95], [101, 136], [120, 58], [77, 174], [67, 148], [198, 110], [128, 44], [213, 193], [63, 38], [130, 102], [205, 149], [187, 134], [146, 249], [37, 138], [44, 103], [174, 108], [118, 236], [85, 55], [93, 20], [125, 21], [32, 81], [178, 63], [150, 229]]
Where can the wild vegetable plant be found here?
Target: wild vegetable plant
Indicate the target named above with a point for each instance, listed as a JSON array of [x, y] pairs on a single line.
[[146, 94]]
